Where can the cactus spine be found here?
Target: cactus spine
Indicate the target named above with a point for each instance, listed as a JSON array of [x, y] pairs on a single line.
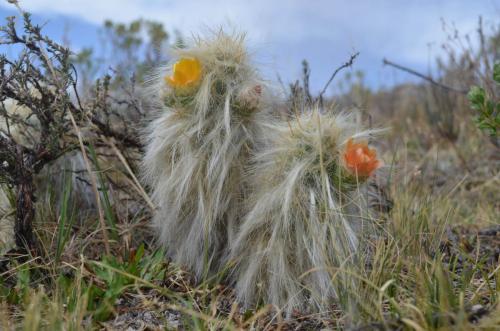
[[212, 100]]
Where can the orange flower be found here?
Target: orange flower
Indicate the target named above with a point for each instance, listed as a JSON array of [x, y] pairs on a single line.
[[360, 159], [186, 73]]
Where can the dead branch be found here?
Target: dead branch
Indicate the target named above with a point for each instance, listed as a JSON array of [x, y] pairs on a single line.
[[347, 64], [38, 82], [424, 77]]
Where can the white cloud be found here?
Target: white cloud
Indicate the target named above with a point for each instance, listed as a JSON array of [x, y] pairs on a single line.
[[403, 26], [398, 29]]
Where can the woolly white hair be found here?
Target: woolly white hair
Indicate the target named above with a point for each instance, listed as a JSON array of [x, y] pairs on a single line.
[[303, 221], [21, 134], [196, 151], [28, 136], [6, 212], [6, 223]]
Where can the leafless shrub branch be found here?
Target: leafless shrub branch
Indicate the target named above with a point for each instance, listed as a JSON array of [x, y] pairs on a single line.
[[425, 77], [41, 82]]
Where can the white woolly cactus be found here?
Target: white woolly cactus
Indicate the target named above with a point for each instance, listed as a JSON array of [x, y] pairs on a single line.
[[197, 147], [6, 222], [305, 214]]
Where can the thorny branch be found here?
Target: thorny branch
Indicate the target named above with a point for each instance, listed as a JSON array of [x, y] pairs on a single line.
[[38, 83]]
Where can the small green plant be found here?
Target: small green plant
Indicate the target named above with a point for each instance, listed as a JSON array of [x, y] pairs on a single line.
[[118, 276], [488, 117], [66, 218]]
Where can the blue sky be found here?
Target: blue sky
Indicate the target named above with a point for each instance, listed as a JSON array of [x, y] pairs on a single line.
[[283, 32]]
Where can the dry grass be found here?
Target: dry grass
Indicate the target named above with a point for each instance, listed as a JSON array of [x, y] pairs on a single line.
[[432, 268]]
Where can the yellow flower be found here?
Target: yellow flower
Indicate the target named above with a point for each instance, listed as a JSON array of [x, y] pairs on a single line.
[[186, 73]]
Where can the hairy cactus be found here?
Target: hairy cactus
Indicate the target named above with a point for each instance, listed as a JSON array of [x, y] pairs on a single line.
[[212, 103], [306, 212]]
